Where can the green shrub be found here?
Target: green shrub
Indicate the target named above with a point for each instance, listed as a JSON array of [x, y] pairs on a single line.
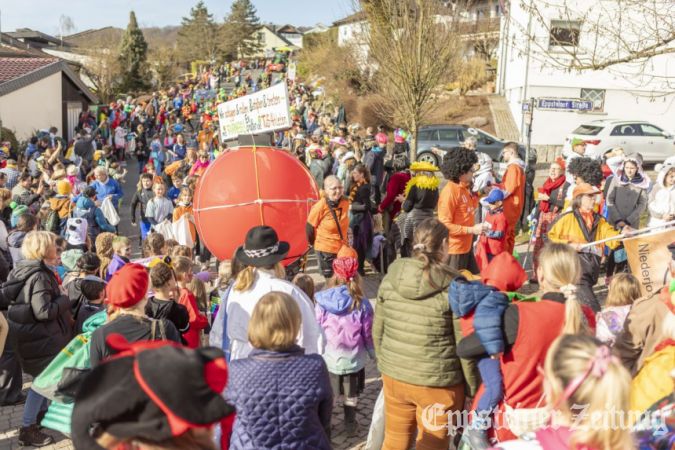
[[9, 136]]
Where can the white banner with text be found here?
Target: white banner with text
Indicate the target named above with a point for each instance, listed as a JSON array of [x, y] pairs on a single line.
[[263, 111]]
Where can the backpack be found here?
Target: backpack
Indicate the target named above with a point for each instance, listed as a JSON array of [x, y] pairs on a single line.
[[53, 222], [90, 216]]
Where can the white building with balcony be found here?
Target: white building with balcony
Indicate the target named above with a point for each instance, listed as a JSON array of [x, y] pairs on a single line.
[[539, 46], [478, 25]]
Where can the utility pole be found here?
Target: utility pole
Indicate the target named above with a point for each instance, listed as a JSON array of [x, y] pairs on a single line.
[[528, 118], [527, 62]]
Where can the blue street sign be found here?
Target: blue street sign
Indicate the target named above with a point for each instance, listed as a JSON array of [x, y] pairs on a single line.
[[565, 104], [526, 107]]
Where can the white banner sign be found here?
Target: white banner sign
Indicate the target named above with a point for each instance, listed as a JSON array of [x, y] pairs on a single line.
[[263, 111]]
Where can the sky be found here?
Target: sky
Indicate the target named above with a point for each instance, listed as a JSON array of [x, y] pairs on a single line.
[[44, 15]]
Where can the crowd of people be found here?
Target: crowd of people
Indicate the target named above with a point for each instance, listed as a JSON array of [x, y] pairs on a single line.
[[174, 350]]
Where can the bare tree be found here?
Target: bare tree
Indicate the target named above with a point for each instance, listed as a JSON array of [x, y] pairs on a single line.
[[413, 44], [66, 26], [164, 64], [104, 71], [101, 66], [624, 37]]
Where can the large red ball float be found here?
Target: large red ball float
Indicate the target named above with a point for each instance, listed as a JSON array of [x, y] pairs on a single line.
[[254, 186]]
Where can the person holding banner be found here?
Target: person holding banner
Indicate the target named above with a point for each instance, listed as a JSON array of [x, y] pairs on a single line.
[[580, 228]]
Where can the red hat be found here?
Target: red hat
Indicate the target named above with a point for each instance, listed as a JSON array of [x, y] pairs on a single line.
[[504, 272], [346, 264], [561, 162], [127, 286]]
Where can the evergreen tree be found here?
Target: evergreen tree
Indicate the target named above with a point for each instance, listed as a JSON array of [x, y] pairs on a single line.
[[132, 59], [240, 30], [198, 35]]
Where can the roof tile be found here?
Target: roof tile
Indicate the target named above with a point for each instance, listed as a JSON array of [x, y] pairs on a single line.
[[12, 68]]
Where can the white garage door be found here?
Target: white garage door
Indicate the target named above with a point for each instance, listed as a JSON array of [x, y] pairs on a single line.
[[73, 113]]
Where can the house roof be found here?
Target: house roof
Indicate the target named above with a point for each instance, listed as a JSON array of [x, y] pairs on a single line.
[[359, 16], [35, 36], [288, 29], [17, 72], [86, 36], [286, 41], [8, 43], [318, 28], [6, 51], [17, 67]]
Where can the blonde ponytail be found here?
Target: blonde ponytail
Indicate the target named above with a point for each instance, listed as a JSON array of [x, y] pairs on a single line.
[[561, 269], [575, 323], [245, 279]]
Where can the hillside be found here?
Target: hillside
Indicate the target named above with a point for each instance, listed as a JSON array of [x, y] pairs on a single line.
[[155, 36]]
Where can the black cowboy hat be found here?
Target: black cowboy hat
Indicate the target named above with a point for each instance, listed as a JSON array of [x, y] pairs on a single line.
[[262, 248]]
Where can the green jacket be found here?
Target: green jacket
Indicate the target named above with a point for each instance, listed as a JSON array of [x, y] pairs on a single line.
[[413, 329]]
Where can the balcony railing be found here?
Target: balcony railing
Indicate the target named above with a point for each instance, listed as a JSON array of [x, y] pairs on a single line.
[[476, 26]]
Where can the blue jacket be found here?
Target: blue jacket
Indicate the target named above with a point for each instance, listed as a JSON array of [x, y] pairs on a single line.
[[85, 208], [489, 305], [110, 187], [31, 149], [180, 151], [283, 400], [173, 194]]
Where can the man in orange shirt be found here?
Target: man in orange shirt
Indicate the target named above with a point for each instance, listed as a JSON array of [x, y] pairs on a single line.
[[457, 206], [514, 187], [328, 224]]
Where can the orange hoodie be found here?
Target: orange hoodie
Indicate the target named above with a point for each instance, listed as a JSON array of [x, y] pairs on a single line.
[[456, 210]]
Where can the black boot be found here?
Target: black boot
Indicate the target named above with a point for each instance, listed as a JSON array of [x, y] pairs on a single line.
[[351, 425], [31, 436]]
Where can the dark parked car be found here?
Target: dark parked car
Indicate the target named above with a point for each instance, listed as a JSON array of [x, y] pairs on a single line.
[[447, 137]]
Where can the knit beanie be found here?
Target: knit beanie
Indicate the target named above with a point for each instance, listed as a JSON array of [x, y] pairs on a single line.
[[127, 286], [69, 259], [17, 211], [63, 187]]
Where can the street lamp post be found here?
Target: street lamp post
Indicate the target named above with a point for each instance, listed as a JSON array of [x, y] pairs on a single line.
[[527, 61]]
